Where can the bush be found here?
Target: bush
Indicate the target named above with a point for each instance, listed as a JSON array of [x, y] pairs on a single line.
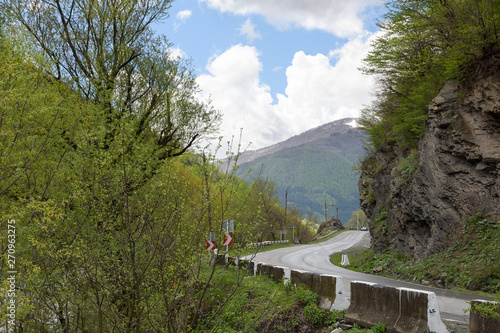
[[314, 315], [306, 296]]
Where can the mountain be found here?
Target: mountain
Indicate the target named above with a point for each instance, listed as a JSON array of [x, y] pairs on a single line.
[[313, 168]]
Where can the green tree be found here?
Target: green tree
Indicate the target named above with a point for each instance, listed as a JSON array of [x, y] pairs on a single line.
[[358, 220], [423, 44], [109, 239], [107, 51]]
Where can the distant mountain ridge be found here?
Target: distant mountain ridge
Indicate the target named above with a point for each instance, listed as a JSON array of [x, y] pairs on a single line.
[[342, 126], [315, 167]]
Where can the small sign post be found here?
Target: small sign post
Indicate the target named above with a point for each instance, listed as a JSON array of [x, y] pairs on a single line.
[[210, 241], [228, 227]]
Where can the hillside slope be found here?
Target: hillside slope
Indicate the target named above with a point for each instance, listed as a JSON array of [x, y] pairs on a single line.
[[315, 167], [418, 204]]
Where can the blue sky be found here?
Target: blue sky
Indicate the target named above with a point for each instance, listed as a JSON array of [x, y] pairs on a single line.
[[276, 68]]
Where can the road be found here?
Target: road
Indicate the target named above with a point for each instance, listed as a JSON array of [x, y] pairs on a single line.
[[316, 258]]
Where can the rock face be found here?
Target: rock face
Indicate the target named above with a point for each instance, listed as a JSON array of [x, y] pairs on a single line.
[[416, 204], [331, 224]]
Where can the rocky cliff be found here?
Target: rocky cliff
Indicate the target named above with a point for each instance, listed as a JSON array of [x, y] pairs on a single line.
[[418, 201]]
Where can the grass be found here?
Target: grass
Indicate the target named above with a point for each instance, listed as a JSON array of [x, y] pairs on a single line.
[[470, 262], [258, 304]]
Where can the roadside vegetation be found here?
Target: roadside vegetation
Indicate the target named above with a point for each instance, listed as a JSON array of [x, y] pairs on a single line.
[[258, 304], [469, 262], [106, 191], [423, 43]]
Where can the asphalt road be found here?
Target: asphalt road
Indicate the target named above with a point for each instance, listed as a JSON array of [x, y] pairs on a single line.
[[316, 258]]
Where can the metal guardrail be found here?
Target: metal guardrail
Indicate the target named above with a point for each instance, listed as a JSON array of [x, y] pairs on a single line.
[[266, 243]]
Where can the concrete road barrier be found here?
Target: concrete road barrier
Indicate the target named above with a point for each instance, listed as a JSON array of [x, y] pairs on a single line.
[[275, 272], [329, 288], [403, 310], [302, 277], [481, 323], [372, 304], [219, 259], [419, 311]]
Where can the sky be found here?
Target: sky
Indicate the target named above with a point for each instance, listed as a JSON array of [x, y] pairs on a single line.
[[276, 68]]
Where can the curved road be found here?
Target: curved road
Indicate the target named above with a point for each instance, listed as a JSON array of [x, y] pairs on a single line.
[[316, 258]]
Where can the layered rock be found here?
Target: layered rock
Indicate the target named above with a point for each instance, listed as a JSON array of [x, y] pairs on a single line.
[[416, 203]]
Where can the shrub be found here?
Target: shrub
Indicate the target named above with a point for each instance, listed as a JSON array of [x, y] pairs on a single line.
[[306, 296], [314, 315]]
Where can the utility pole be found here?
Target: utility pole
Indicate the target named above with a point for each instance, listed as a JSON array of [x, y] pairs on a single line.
[[325, 212], [357, 220], [333, 205], [286, 208]]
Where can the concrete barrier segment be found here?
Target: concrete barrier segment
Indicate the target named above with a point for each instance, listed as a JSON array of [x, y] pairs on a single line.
[[220, 260], [251, 267], [279, 274], [273, 272], [286, 275], [256, 268], [341, 301], [402, 310], [419, 312], [327, 291], [301, 277], [478, 323], [264, 269], [231, 261], [373, 304]]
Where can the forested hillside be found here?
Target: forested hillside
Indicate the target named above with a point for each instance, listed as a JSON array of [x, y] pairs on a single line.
[[312, 168], [104, 205]]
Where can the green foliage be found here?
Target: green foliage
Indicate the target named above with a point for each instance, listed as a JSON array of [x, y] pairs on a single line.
[[358, 219], [306, 296], [313, 181], [470, 261], [486, 309], [110, 222], [378, 328], [314, 315], [260, 302], [480, 224], [424, 43], [380, 223], [407, 167]]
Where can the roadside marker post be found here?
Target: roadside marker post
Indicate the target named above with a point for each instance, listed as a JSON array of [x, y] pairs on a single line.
[[228, 238], [210, 241], [228, 227]]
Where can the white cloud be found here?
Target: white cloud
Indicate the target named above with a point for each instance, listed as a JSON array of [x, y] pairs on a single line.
[[316, 92], [339, 17], [248, 29], [176, 53], [233, 84], [181, 18], [183, 15]]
